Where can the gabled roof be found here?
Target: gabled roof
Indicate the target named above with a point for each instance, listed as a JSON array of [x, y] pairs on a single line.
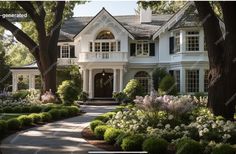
[[130, 23]]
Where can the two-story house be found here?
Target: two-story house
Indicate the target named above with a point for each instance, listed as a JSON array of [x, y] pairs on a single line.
[[111, 50]]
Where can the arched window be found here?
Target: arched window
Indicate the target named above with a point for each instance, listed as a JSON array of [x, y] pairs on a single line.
[[105, 34], [145, 80]]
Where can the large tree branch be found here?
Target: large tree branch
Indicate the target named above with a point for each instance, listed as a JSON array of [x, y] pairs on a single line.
[[213, 34], [19, 35]]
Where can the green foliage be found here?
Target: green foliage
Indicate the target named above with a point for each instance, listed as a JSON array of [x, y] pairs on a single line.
[[100, 130], [68, 92], [3, 126], [83, 96], [155, 145], [157, 75], [64, 113], [72, 110], [132, 143], [46, 117], [55, 113], [7, 109], [187, 146], [105, 117], [20, 94], [36, 118], [119, 96], [95, 123], [168, 86], [13, 124], [4, 69], [120, 138], [111, 135], [35, 109], [16, 109], [224, 149], [133, 89], [199, 94], [25, 109], [25, 120]]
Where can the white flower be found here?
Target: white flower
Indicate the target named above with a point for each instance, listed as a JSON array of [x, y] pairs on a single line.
[[170, 117], [167, 126]]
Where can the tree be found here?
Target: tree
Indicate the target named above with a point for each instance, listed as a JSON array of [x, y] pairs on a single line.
[[47, 18], [221, 52]]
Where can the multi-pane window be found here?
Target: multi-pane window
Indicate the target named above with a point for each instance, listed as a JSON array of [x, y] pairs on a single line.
[[144, 79], [142, 49], [177, 79], [192, 41], [105, 46], [113, 46], [192, 80], [177, 42], [90, 46], [206, 82], [65, 51], [97, 46]]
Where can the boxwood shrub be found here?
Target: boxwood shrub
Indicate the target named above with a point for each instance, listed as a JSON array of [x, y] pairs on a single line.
[[55, 113], [46, 117], [25, 120], [120, 138], [95, 123], [3, 126], [7, 109], [100, 130], [223, 149], [35, 109], [72, 110], [155, 145], [36, 118], [111, 135], [187, 146], [105, 117], [132, 143], [13, 124], [25, 109], [17, 109]]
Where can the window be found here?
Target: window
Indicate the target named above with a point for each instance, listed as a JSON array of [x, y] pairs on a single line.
[[22, 82], [177, 79], [65, 51], [192, 41], [144, 79], [113, 46], [90, 46], [206, 82], [142, 49], [118, 46], [97, 46], [105, 46], [192, 80], [177, 42], [105, 35]]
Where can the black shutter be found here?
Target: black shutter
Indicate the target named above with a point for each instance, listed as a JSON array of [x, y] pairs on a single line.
[[171, 72], [171, 45], [152, 49], [72, 51], [58, 51], [132, 49]]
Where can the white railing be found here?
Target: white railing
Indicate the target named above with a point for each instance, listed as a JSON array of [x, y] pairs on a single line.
[[67, 61], [103, 56]]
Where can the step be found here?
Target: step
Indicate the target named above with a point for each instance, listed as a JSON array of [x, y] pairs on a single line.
[[98, 102]]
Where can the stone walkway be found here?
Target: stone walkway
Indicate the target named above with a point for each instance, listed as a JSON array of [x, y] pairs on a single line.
[[61, 137]]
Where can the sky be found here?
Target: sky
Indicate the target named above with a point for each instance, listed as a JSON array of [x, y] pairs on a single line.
[[112, 6]]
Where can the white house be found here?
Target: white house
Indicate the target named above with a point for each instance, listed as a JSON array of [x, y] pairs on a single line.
[[111, 50]]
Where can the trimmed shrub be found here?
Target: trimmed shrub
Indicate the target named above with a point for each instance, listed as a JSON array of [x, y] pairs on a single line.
[[25, 120], [133, 89], [35, 109], [13, 124], [105, 117], [189, 146], [168, 86], [16, 109], [7, 109], [132, 143], [25, 109], [46, 117], [155, 145], [21, 94], [36, 118], [100, 130], [64, 113], [68, 92], [83, 96], [72, 110], [55, 113], [224, 149], [95, 123], [157, 75], [48, 108], [3, 126], [111, 135]]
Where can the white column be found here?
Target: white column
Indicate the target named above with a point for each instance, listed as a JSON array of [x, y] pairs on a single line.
[[182, 41], [33, 81], [85, 80], [201, 80], [201, 40], [90, 83], [114, 80], [121, 79], [182, 81], [30, 80], [14, 81]]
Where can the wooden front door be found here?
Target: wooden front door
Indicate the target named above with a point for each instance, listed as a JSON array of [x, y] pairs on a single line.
[[103, 85]]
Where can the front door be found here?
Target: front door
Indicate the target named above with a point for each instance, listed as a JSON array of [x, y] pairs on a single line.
[[103, 85]]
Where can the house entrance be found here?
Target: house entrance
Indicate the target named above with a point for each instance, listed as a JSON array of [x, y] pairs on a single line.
[[103, 85]]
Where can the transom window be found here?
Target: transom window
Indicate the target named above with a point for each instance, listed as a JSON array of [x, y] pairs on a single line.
[[192, 80], [192, 41], [105, 34], [142, 49], [144, 79], [65, 51], [206, 82]]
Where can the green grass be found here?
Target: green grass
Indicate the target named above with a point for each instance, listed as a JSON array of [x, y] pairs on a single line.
[[6, 116]]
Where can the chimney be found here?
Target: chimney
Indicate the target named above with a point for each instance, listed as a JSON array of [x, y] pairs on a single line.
[[145, 15]]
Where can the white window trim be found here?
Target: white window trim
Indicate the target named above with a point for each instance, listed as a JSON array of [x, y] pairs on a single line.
[[142, 43], [192, 35], [68, 51], [104, 41]]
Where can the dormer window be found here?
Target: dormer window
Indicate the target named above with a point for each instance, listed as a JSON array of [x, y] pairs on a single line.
[[105, 35], [192, 41]]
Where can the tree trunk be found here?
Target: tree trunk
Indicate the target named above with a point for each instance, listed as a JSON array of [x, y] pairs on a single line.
[[221, 52]]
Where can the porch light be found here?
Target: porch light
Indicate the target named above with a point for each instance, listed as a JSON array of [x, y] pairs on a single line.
[[103, 72]]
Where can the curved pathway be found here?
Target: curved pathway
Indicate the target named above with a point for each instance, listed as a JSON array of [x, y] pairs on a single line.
[[61, 137]]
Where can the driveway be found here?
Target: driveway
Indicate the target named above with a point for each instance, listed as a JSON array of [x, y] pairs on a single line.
[[61, 137]]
